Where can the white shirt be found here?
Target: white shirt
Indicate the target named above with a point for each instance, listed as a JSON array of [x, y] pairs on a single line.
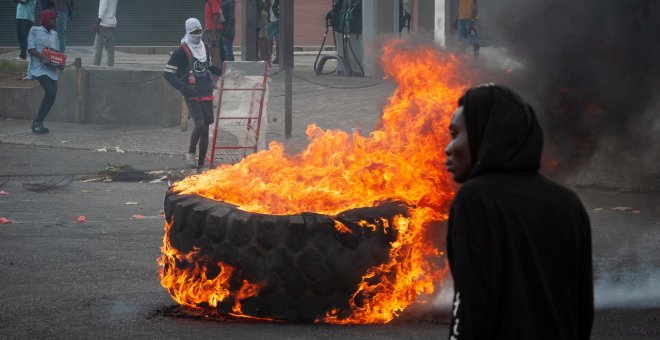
[[107, 12], [273, 18]]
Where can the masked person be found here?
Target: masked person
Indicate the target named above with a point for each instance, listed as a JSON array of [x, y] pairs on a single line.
[[189, 71], [40, 67], [519, 245]]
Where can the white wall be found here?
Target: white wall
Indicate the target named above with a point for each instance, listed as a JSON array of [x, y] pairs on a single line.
[[440, 27]]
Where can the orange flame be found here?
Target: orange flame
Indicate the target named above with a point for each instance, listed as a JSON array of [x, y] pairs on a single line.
[[192, 287], [401, 160]]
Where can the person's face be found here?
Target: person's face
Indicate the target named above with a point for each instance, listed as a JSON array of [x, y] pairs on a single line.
[[51, 22], [459, 161]]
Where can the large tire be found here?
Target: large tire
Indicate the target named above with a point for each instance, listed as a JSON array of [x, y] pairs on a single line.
[[306, 265]]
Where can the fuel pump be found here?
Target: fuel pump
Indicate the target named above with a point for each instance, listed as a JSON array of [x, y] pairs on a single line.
[[345, 19]]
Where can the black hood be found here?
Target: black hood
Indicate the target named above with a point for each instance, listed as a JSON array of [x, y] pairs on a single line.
[[503, 131]]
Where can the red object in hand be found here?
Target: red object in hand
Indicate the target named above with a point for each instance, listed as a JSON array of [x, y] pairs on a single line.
[[81, 219], [54, 56]]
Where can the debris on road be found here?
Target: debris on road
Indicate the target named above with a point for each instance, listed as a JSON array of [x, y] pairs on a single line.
[[48, 184], [5, 220], [622, 209], [81, 219]]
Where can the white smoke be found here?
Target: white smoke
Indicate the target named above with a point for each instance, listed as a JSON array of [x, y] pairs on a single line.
[[638, 289]]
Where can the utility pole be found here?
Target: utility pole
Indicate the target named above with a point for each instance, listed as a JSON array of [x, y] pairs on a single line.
[[286, 61]]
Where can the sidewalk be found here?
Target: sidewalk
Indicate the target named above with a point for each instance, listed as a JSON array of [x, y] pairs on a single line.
[[348, 103], [329, 101], [149, 61]]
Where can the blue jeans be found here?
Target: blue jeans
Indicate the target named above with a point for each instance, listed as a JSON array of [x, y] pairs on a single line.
[[60, 27], [467, 31], [229, 50], [23, 29]]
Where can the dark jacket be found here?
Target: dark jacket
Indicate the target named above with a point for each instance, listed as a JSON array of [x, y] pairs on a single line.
[[229, 26], [178, 68], [519, 245]]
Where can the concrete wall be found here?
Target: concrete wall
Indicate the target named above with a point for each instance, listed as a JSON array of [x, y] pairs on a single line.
[[110, 97]]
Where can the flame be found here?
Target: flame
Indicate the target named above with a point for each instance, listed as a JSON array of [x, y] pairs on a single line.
[[403, 159], [342, 228], [192, 287]]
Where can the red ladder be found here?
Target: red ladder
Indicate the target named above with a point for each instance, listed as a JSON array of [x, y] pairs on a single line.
[[256, 97]]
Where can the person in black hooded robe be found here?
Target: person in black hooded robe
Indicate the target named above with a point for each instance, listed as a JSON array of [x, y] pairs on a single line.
[[519, 245]]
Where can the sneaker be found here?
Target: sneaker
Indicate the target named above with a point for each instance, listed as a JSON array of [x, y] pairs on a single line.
[[191, 162], [39, 128]]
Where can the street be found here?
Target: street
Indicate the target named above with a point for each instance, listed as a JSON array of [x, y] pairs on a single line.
[[98, 278]]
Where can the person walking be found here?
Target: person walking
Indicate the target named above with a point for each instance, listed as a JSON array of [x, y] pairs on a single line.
[[519, 245], [105, 31], [213, 19], [228, 28], [24, 21], [466, 24], [64, 9], [40, 67], [189, 70]]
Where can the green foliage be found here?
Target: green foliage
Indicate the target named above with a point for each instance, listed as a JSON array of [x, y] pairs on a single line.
[[10, 66]]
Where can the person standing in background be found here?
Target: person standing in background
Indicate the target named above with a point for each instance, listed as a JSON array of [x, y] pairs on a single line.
[[64, 9], [273, 30], [262, 23], [466, 24], [213, 25], [24, 21], [228, 28], [40, 67], [105, 31], [46, 4]]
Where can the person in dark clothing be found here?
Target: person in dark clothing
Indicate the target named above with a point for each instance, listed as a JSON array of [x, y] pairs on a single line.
[[228, 28], [46, 4], [189, 71], [519, 245], [64, 10]]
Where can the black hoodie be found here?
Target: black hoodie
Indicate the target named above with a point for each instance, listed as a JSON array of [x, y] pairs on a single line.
[[519, 245]]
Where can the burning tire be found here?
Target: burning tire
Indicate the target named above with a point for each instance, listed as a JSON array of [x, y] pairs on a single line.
[[306, 265]]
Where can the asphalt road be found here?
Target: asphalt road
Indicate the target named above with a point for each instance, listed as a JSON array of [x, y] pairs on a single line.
[[98, 279]]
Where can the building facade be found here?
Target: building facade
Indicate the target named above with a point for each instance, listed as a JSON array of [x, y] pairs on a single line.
[[161, 22]]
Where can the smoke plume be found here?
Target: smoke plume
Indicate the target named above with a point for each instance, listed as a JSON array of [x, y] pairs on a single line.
[[591, 67]]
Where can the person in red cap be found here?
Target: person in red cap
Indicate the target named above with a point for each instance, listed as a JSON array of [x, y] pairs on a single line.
[[41, 68]]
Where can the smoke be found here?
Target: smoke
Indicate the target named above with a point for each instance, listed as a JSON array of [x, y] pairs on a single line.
[[591, 67], [637, 289]]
